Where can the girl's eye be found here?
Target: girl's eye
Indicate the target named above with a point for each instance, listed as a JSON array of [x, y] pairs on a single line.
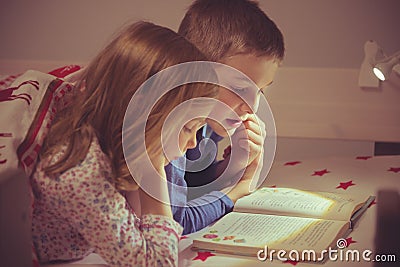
[[187, 129]]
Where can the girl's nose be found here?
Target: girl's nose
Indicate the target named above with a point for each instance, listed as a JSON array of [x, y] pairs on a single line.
[[192, 142]]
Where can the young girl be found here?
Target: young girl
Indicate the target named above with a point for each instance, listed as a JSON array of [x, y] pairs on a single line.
[[82, 177]]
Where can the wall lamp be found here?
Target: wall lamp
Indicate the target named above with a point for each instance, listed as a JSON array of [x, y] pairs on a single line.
[[372, 69], [383, 69]]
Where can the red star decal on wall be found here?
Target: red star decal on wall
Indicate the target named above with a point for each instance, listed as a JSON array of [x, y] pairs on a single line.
[[320, 173], [292, 163], [350, 241], [203, 255], [363, 157], [395, 170], [345, 185], [294, 263]]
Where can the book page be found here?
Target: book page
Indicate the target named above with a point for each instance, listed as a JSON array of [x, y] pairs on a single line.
[[294, 202], [277, 232]]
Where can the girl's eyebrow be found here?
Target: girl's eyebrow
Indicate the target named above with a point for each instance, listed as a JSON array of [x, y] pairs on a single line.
[[201, 121], [196, 122]]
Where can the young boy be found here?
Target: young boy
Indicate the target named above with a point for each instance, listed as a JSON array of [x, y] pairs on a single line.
[[239, 34]]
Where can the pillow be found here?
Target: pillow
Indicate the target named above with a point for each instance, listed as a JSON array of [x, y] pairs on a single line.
[[64, 71], [28, 103], [28, 107], [7, 80]]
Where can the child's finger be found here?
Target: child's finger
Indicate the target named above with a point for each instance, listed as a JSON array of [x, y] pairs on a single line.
[[250, 146], [252, 136], [255, 124]]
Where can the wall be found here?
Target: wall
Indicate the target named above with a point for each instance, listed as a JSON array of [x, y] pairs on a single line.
[[318, 34], [327, 103], [73, 31], [315, 94], [322, 112]]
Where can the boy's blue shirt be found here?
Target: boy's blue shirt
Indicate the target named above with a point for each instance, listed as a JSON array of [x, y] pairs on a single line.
[[195, 213]]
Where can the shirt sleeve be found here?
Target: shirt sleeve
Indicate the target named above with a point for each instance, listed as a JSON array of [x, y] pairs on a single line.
[[202, 211], [195, 210], [102, 216], [209, 174]]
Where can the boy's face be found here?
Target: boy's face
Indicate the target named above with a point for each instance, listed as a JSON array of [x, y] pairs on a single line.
[[261, 70]]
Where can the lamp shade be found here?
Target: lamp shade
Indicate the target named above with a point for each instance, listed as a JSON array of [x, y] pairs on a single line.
[[382, 70]]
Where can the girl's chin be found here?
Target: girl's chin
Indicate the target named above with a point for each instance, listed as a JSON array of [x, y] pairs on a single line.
[[171, 158]]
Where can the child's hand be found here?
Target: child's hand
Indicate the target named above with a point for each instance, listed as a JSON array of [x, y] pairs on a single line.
[[242, 188], [249, 142], [255, 132]]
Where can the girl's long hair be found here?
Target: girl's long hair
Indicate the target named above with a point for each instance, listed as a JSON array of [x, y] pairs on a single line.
[[105, 89]]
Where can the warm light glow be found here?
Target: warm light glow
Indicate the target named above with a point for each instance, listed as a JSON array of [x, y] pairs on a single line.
[[290, 200], [383, 69], [378, 73]]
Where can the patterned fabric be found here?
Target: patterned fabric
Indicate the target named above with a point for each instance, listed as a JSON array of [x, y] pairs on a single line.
[[65, 71], [102, 222], [28, 107], [7, 80], [80, 211], [28, 103]]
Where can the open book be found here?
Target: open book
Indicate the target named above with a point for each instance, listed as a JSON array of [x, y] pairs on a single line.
[[273, 219]]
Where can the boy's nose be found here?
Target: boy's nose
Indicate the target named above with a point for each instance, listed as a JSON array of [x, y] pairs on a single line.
[[252, 106], [245, 109]]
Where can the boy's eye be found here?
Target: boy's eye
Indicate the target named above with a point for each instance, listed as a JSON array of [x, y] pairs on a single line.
[[239, 89]]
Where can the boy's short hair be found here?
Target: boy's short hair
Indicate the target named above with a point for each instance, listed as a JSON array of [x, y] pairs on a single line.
[[221, 28]]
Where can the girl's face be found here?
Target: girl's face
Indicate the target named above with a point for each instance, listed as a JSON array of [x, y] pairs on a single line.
[[187, 136], [186, 140]]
